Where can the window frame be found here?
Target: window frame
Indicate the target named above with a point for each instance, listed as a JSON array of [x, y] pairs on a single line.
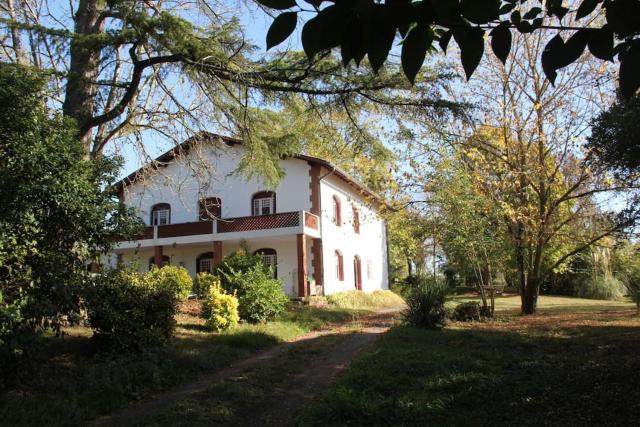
[[337, 210], [160, 207], [260, 197], [339, 261], [201, 257], [166, 260], [356, 220]]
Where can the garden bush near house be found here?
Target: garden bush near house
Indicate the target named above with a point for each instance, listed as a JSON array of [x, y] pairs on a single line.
[[468, 311], [204, 282], [604, 288], [365, 301], [426, 307], [130, 315], [240, 261], [260, 296], [174, 278], [220, 310]]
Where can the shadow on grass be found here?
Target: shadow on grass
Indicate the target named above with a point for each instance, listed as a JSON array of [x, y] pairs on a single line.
[[70, 382], [584, 374]]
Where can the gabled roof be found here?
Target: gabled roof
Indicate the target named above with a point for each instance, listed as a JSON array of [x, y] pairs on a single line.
[[185, 146]]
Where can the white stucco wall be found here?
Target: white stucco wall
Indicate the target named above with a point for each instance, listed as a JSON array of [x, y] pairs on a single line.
[[369, 244], [210, 173]]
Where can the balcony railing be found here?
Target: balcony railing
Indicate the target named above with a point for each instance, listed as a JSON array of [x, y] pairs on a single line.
[[261, 222], [299, 219]]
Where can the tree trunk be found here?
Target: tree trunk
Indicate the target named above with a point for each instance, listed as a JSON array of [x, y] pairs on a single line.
[[530, 297], [79, 101]]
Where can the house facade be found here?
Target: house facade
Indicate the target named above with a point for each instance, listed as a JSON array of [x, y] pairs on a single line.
[[319, 228]]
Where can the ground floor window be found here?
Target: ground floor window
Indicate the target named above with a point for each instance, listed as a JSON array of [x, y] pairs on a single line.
[[204, 263], [270, 258]]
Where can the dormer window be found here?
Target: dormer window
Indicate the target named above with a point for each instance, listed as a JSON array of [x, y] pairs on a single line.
[[337, 211], [263, 203], [210, 208], [161, 214]]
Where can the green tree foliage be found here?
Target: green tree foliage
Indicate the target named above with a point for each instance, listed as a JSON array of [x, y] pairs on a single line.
[[370, 27], [58, 212], [124, 66], [615, 139]]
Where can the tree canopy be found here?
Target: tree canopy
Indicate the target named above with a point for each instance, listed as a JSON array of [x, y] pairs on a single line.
[[607, 28]]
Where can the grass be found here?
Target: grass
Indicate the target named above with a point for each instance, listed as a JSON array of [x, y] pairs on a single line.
[[69, 383], [510, 304], [576, 364], [368, 301]]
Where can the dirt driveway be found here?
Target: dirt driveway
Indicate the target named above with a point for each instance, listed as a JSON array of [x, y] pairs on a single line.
[[268, 388]]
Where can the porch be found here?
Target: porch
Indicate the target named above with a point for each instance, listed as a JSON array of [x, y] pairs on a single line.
[[296, 258]]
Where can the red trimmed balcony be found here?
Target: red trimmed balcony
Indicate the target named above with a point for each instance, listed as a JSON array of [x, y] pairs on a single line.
[[281, 223]]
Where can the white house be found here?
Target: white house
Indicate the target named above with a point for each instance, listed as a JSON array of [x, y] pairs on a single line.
[[319, 228]]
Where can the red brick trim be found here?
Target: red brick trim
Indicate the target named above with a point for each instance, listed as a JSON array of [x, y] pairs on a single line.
[[217, 253], [157, 256], [316, 251], [302, 265], [314, 187]]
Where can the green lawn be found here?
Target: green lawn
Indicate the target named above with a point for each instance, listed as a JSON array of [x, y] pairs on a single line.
[[69, 384], [575, 364], [510, 304]]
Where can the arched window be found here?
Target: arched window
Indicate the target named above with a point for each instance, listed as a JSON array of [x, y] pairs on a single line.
[[357, 272], [166, 260], [210, 208], [204, 263], [161, 214], [339, 265], [270, 258], [263, 203], [337, 211], [356, 220]]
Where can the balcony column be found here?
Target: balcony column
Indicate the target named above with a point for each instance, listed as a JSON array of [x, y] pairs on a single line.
[[157, 256], [217, 253], [302, 265]]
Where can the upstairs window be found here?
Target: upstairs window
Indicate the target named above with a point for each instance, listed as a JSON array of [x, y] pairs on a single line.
[[356, 220], [263, 203], [337, 211], [161, 214], [210, 208], [339, 265], [269, 258]]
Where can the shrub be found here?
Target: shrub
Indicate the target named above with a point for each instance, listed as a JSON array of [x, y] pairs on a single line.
[[362, 300], [204, 282], [260, 296], [240, 261], [174, 278], [471, 310], [603, 288], [220, 310], [426, 307], [130, 316]]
